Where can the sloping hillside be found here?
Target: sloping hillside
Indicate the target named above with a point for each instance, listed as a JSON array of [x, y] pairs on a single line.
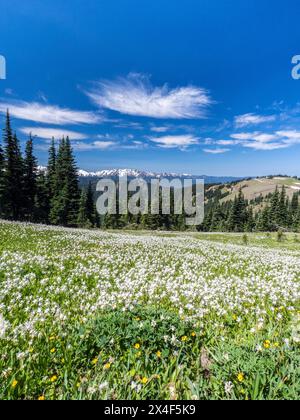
[[255, 188]]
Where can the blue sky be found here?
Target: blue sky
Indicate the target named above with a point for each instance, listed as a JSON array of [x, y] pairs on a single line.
[[200, 86]]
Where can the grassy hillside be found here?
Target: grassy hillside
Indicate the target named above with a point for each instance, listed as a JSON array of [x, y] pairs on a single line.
[[255, 188]]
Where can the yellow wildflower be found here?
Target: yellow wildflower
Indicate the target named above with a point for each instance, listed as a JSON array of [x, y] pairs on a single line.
[[137, 346], [144, 380], [158, 354], [193, 334], [240, 377], [53, 378], [41, 398], [184, 338], [94, 361], [267, 344], [52, 350], [107, 366], [14, 384]]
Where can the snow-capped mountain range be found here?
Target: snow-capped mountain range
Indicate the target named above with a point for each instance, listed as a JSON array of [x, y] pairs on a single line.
[[130, 173], [147, 175]]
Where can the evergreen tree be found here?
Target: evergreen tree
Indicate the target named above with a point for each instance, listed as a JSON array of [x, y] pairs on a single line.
[[217, 220], [97, 219], [13, 174], [2, 168], [295, 204], [83, 220], [263, 222], [42, 200], [30, 181], [237, 215], [58, 200], [296, 223], [250, 223], [282, 213], [274, 210], [73, 193], [90, 206], [65, 202], [208, 216], [51, 170]]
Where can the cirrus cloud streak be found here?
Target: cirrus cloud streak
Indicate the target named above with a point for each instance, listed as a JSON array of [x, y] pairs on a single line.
[[48, 114], [171, 142], [48, 133], [135, 95], [253, 119]]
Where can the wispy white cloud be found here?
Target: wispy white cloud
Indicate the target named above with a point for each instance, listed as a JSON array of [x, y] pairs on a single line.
[[161, 129], [135, 95], [265, 146], [253, 119], [244, 136], [180, 142], [135, 145], [48, 114], [267, 141], [227, 142], [129, 125], [96, 145], [49, 133], [289, 136], [217, 151], [264, 137], [107, 145]]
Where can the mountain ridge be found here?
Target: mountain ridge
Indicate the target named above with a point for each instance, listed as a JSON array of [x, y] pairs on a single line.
[[135, 173]]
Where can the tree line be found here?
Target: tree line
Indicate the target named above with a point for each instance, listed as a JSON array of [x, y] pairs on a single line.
[[270, 214], [54, 197]]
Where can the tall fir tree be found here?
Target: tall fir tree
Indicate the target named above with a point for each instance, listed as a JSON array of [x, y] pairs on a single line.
[[58, 199], [282, 214], [274, 210], [73, 192], [2, 188], [65, 201], [51, 170], [237, 215], [90, 205], [82, 220], [295, 204], [263, 222], [42, 200], [13, 174], [97, 218], [29, 181]]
